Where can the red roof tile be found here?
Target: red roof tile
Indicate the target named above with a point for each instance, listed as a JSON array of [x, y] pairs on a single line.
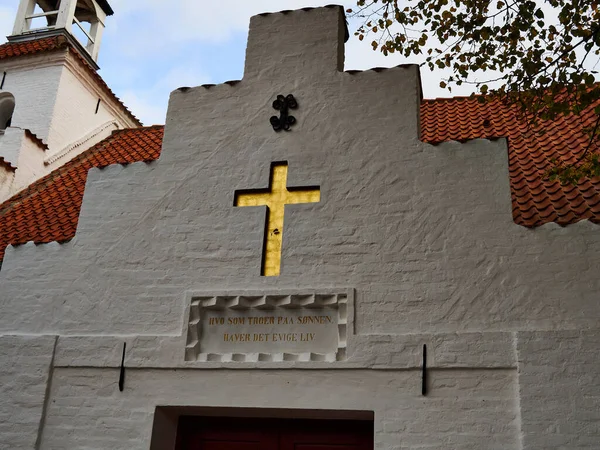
[[535, 201], [53, 43], [48, 210], [12, 49]]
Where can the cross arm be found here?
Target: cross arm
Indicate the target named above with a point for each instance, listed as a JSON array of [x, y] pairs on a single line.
[[252, 197], [307, 194]]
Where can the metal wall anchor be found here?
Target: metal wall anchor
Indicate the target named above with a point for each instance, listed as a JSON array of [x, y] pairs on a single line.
[[122, 374], [424, 373]]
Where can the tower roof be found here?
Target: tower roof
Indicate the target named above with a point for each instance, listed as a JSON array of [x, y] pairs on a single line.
[[105, 7], [54, 4]]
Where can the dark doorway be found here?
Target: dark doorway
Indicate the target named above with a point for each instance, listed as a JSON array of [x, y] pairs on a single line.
[[224, 433]]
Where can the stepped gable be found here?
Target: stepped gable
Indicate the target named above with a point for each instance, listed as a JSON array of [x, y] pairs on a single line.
[[535, 201], [48, 210], [27, 48]]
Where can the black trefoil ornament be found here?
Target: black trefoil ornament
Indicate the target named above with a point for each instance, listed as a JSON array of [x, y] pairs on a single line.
[[283, 105]]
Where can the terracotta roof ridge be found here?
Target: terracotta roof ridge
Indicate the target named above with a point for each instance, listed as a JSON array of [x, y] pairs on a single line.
[[102, 144], [119, 131], [49, 209], [15, 199], [19, 196], [147, 127], [65, 151], [490, 95], [456, 97], [32, 46]]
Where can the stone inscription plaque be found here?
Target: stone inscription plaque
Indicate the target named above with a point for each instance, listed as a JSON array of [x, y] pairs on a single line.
[[231, 331], [296, 327]]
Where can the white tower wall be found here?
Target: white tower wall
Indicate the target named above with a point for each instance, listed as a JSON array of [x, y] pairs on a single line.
[[58, 96]]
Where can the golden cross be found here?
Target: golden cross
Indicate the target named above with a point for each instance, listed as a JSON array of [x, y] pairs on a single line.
[[275, 197]]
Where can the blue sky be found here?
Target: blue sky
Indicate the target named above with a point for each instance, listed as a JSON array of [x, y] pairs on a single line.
[[151, 47]]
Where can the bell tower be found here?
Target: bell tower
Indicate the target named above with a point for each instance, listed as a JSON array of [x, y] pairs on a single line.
[[54, 104], [80, 19]]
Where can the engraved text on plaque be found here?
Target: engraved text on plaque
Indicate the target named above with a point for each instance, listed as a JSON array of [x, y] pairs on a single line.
[[267, 327]]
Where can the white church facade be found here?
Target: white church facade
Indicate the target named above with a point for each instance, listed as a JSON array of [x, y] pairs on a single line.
[[291, 263]]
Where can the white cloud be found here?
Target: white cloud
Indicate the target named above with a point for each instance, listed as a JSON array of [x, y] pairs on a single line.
[[209, 21], [153, 24], [360, 56], [142, 29], [185, 21], [146, 107]]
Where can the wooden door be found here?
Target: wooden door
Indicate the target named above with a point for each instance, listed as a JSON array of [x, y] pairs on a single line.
[[326, 435], [208, 433], [204, 433]]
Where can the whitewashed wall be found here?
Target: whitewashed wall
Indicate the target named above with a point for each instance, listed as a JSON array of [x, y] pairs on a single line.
[[56, 100], [423, 235], [30, 165], [75, 110], [6, 178], [34, 83]]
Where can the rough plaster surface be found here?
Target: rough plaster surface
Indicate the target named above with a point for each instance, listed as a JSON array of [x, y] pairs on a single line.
[[465, 408], [559, 377], [24, 376], [74, 111], [30, 165], [23, 153], [423, 235], [34, 83], [11, 142], [445, 351], [7, 176]]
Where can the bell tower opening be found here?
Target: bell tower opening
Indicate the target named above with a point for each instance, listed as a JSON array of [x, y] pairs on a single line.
[[81, 20], [44, 15]]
